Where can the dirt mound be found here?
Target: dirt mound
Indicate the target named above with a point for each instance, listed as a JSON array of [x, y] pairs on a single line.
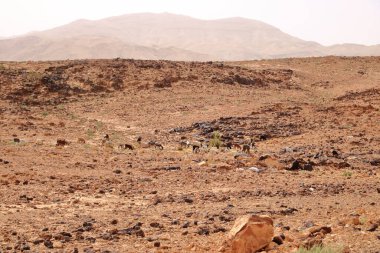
[[53, 83]]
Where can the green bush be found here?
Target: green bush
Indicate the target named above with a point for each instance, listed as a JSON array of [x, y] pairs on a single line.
[[321, 249], [216, 140]]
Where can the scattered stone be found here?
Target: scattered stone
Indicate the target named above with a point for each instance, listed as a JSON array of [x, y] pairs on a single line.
[[219, 229], [88, 250], [87, 226], [91, 239], [300, 164], [58, 245], [249, 234], [375, 162], [288, 211], [335, 153], [114, 222], [155, 225], [319, 230], [117, 171], [373, 227], [296, 165], [157, 244], [264, 157], [343, 165], [25, 246], [108, 236], [203, 231], [186, 224], [135, 230], [38, 241], [308, 167], [66, 234], [188, 200], [308, 224], [278, 240], [254, 169], [62, 143], [48, 244], [16, 140], [157, 201], [202, 163], [287, 150], [171, 168], [26, 198]]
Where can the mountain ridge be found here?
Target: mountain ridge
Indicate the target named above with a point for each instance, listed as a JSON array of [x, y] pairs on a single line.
[[168, 36]]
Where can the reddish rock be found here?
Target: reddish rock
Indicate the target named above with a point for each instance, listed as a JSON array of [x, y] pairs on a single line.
[[249, 234]]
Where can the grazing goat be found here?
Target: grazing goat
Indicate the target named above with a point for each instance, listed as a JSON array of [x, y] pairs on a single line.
[[155, 144], [105, 139], [228, 145], [246, 148], [196, 148], [184, 144], [126, 146]]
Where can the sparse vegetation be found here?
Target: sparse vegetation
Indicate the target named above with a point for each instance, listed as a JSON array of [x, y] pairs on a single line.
[[99, 125], [34, 76], [321, 249], [347, 174], [363, 220], [216, 140], [60, 107], [90, 133]]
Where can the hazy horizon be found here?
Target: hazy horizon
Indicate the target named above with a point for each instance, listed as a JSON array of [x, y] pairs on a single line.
[[325, 22]]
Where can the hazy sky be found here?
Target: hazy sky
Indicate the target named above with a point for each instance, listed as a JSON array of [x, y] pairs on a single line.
[[325, 21]]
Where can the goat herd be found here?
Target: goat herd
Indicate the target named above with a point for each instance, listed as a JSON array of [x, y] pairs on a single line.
[[196, 146]]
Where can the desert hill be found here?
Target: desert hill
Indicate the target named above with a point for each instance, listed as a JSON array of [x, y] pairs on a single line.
[[313, 167], [168, 36]]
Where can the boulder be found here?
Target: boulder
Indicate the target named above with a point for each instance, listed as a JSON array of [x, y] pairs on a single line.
[[249, 234]]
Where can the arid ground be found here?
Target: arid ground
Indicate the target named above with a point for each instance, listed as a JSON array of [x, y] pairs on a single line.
[[315, 123]]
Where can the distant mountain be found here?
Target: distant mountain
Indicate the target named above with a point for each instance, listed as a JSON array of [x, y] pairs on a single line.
[[353, 50], [168, 36]]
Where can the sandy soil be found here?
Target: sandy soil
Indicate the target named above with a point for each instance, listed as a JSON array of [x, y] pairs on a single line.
[[89, 195]]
